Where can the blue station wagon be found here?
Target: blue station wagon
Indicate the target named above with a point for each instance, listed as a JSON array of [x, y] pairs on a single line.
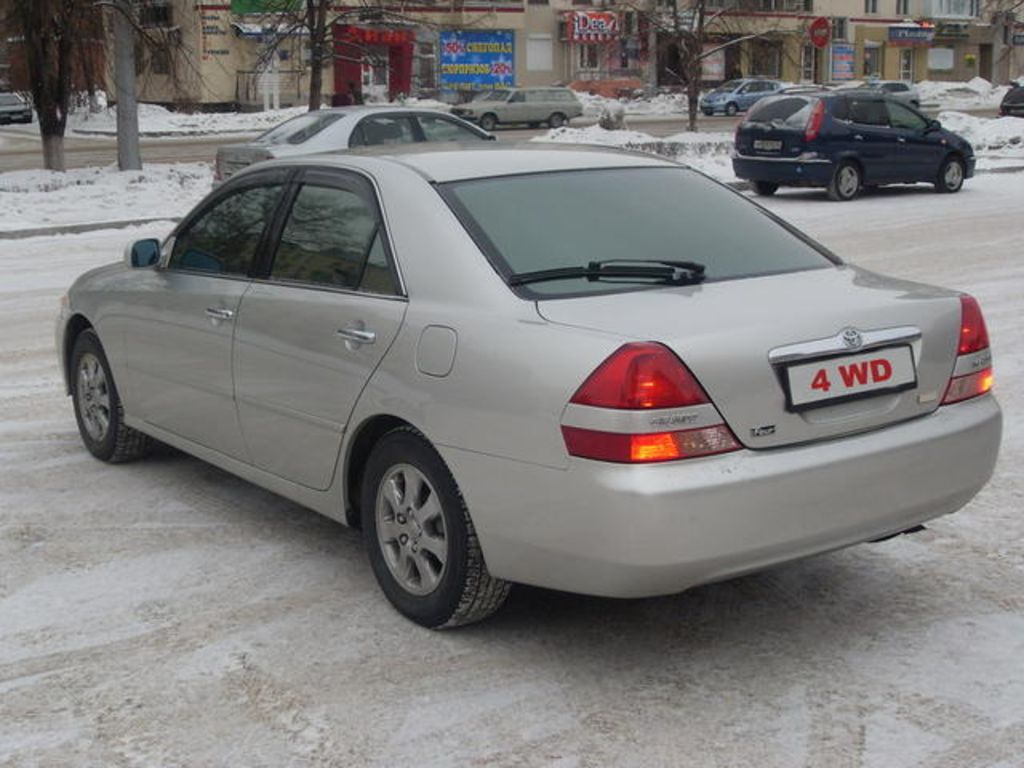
[[738, 95], [846, 142]]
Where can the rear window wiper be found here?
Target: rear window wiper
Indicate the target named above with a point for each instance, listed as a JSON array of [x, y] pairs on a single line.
[[660, 271]]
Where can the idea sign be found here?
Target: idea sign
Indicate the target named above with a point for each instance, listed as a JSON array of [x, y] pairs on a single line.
[[820, 32]]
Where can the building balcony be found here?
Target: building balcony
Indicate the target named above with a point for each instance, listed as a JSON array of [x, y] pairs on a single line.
[[950, 9]]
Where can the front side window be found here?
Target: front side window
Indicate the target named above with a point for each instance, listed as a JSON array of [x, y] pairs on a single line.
[[901, 117], [561, 219], [440, 129], [224, 239], [333, 238]]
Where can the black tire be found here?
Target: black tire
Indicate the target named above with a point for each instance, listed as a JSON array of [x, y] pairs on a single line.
[[951, 174], [117, 442], [731, 109], [488, 121], [557, 120], [709, 112], [765, 188], [846, 182], [465, 591], [533, 125]]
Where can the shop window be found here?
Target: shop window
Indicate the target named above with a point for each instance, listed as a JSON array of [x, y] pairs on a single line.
[[588, 56], [156, 13], [766, 58], [872, 62], [839, 28]]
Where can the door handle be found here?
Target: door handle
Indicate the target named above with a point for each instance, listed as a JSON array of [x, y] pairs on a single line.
[[858, 137], [357, 335], [901, 140], [219, 313]]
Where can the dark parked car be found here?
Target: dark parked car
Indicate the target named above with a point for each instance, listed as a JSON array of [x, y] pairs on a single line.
[[1013, 102], [14, 109], [845, 142]]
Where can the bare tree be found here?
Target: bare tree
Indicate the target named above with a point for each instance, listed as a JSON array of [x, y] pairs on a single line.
[[51, 30]]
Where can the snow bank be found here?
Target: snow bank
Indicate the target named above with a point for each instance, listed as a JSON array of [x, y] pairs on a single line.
[[707, 152], [999, 137], [978, 93], [159, 121], [31, 199]]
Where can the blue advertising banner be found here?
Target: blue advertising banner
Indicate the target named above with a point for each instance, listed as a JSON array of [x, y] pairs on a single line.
[[477, 60], [911, 35], [842, 62]]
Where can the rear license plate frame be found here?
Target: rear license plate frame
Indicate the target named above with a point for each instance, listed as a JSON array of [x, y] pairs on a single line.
[[831, 365]]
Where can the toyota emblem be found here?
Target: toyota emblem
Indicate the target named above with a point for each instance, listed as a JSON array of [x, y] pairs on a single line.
[[852, 338]]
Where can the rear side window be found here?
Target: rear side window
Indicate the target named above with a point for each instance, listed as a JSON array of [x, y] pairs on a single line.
[[224, 239], [1015, 96], [299, 129], [383, 129], [332, 237], [568, 218], [783, 112], [441, 129], [868, 111]]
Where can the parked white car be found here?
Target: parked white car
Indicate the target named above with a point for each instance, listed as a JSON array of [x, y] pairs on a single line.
[[532, 106]]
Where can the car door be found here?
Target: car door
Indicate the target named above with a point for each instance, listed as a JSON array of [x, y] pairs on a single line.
[[179, 324], [921, 150], [314, 325], [515, 109], [872, 140]]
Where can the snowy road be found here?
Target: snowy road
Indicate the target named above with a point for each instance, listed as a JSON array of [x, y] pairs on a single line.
[[166, 614]]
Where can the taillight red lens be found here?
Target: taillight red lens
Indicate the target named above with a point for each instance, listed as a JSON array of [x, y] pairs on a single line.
[[814, 123], [641, 375], [651, 447], [973, 333]]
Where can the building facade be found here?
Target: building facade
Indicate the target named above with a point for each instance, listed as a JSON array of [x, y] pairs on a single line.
[[237, 53]]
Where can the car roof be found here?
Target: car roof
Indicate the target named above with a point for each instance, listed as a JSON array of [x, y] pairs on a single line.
[[458, 162]]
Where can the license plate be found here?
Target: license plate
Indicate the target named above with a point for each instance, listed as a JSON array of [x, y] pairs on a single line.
[[767, 145], [844, 378]]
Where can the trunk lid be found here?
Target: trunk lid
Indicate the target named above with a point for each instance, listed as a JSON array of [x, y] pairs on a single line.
[[235, 157], [775, 127], [726, 333]]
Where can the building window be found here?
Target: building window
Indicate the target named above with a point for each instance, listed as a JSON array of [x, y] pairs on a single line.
[[156, 13], [903, 8], [539, 2], [160, 62], [766, 58], [870, 6], [907, 64], [588, 56], [838, 28]]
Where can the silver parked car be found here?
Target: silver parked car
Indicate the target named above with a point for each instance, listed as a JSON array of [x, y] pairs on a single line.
[[341, 128], [537, 365], [532, 106], [14, 109], [896, 89]]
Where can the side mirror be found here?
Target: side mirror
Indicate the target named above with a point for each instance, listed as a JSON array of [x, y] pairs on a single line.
[[933, 125], [142, 253]]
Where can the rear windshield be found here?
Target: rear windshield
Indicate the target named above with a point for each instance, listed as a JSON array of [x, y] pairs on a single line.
[[299, 129], [569, 218], [783, 112], [10, 100]]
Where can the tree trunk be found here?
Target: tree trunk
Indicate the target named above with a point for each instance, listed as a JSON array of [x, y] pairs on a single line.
[[53, 152], [316, 21], [692, 97], [128, 155]]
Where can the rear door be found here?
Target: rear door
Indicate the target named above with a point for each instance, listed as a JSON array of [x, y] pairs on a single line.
[[314, 325], [873, 141], [179, 325]]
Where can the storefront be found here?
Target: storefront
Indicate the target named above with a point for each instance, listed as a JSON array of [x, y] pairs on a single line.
[[372, 64], [605, 51]]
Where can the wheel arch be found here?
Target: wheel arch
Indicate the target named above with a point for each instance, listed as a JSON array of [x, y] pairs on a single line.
[[76, 324], [365, 437]]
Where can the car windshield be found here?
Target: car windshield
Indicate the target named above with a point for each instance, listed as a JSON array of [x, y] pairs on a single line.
[[497, 95], [560, 219], [729, 86], [10, 100], [299, 129]]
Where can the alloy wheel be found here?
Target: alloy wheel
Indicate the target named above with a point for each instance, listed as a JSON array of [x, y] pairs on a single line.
[[93, 396]]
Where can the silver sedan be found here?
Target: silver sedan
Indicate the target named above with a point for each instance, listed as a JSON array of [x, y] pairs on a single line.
[[579, 369], [342, 128]]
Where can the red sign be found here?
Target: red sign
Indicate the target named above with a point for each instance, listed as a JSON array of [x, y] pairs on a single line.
[[820, 32], [370, 36], [593, 26]]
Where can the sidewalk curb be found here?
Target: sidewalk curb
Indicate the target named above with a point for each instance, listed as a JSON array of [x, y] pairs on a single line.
[[77, 229]]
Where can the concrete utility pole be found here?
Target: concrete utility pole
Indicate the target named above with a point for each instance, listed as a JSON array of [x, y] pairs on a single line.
[[128, 155]]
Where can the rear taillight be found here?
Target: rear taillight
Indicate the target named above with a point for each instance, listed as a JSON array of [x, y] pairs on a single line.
[[972, 374], [648, 381], [814, 123]]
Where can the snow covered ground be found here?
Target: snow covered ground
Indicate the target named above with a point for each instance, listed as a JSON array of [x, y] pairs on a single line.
[[164, 613]]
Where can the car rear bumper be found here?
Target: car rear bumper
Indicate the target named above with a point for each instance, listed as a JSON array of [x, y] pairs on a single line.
[[633, 531], [780, 170]]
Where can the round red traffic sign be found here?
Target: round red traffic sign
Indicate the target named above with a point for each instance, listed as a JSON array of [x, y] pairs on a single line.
[[820, 32]]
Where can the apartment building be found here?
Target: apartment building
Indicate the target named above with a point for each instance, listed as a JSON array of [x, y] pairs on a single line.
[[239, 53]]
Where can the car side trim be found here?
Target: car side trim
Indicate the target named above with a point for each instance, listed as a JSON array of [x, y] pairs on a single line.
[[819, 161]]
